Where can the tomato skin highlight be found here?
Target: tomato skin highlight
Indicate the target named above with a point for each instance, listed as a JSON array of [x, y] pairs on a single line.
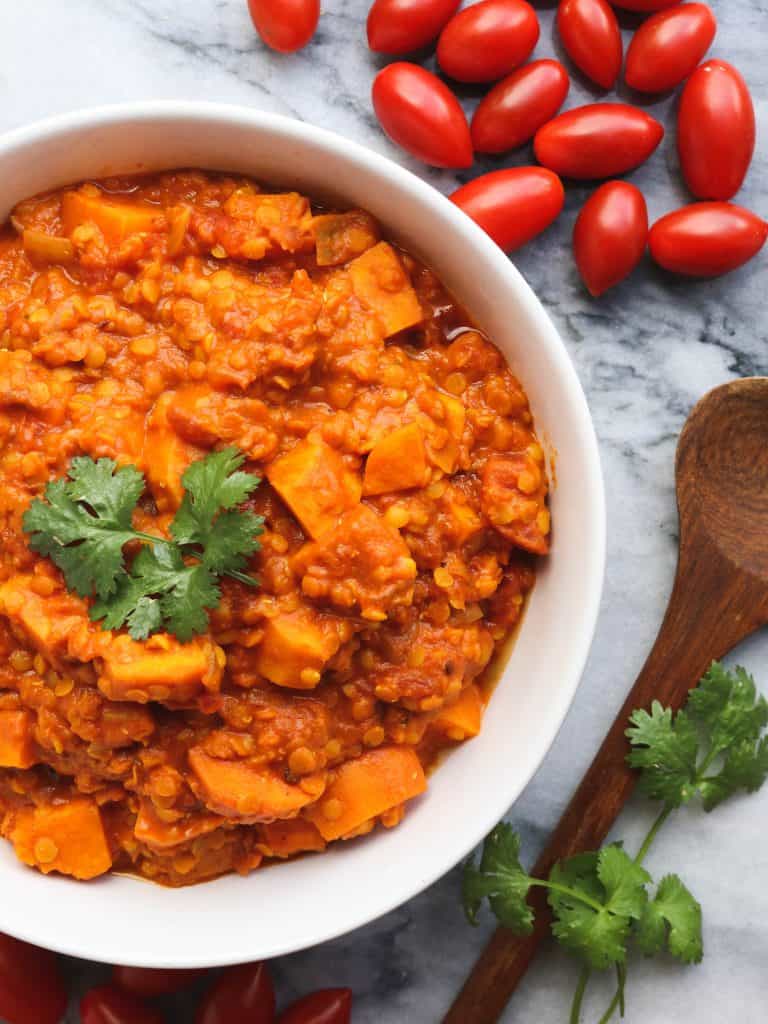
[[516, 107], [600, 140], [591, 36], [402, 26], [31, 987], [707, 239], [488, 40], [285, 25], [513, 205], [148, 983], [610, 235], [109, 1005], [666, 48], [715, 131], [240, 995], [644, 6], [420, 113], [327, 1006]]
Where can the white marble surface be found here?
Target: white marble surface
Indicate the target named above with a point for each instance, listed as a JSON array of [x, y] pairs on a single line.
[[645, 354]]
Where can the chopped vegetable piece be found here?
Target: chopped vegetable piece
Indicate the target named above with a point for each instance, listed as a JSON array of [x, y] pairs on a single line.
[[160, 669], [287, 838], [313, 480], [17, 748], [380, 281], [462, 719], [397, 462], [340, 237], [295, 648], [115, 220], [62, 837], [366, 787], [47, 248], [235, 789]]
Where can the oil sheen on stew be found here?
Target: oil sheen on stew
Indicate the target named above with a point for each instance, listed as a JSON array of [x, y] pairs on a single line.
[[152, 320]]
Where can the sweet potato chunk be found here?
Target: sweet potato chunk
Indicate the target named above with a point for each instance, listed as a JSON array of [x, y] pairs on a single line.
[[463, 719], [160, 669], [116, 220], [381, 283], [17, 749], [164, 835], [57, 626], [397, 462], [363, 563], [313, 480], [236, 789], [295, 648], [287, 838], [165, 457], [62, 837], [340, 237], [365, 788]]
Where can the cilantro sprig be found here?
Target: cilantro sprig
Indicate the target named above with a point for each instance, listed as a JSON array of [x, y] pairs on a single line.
[[602, 902], [86, 520]]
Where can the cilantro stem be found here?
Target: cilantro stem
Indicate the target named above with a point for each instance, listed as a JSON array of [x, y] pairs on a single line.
[[567, 891], [652, 833], [578, 995], [612, 1006], [234, 574]]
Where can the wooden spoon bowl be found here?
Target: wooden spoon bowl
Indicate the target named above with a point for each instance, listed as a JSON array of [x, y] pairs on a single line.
[[720, 596]]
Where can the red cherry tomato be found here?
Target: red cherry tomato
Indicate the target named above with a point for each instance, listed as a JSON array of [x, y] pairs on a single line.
[[610, 235], [421, 114], [644, 5], [108, 1005], [148, 983], [488, 40], [667, 47], [328, 1006], [518, 106], [597, 141], [707, 239], [401, 26], [31, 987], [241, 995], [285, 25], [591, 36], [513, 205], [715, 131]]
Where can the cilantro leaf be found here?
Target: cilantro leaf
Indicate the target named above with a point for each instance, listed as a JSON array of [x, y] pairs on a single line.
[[211, 484], [112, 493], [501, 879], [672, 917], [666, 749], [233, 539], [594, 898], [95, 562], [744, 768], [624, 881], [86, 520], [725, 705]]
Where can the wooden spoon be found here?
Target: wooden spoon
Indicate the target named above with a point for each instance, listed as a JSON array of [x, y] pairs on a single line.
[[720, 596]]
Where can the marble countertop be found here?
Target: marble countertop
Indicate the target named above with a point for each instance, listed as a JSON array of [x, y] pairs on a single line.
[[645, 353]]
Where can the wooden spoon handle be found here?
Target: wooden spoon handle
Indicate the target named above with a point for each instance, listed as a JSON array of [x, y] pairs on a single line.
[[697, 628]]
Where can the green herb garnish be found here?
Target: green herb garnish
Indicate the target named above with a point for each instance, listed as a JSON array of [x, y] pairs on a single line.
[[601, 901], [85, 522]]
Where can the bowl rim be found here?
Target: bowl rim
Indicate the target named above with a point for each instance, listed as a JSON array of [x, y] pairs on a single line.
[[501, 798]]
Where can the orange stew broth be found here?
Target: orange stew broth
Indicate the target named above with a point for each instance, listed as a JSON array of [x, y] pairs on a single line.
[[152, 320]]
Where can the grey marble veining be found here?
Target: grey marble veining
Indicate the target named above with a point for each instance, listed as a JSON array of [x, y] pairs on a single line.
[[644, 353]]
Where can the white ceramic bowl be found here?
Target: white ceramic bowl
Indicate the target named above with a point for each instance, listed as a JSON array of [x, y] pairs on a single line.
[[298, 904]]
